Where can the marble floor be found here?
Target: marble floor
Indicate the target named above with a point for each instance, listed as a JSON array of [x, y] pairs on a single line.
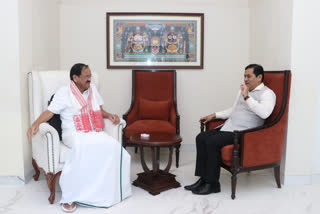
[[256, 194]]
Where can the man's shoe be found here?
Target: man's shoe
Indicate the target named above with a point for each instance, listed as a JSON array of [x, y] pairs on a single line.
[[195, 185], [207, 189]]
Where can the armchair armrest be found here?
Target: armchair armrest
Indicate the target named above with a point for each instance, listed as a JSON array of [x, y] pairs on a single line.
[[262, 145], [114, 130], [211, 125], [46, 148]]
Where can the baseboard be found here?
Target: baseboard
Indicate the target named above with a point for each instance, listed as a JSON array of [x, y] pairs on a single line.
[[315, 179], [16, 180], [300, 179], [188, 147], [12, 180], [29, 176]]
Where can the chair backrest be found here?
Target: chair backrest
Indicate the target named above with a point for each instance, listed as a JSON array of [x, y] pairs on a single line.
[[43, 84], [155, 85], [279, 82]]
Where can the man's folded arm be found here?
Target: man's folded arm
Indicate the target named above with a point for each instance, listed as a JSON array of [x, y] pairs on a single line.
[[265, 107]]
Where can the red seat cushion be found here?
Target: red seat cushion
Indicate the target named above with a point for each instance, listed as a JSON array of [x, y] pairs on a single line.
[[149, 126], [153, 110]]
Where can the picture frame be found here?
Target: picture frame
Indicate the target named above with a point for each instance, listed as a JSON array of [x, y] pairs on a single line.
[[155, 40]]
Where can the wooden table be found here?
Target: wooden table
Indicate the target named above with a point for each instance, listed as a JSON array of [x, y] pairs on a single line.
[[156, 180]]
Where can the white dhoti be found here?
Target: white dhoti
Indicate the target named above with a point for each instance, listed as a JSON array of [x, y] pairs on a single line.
[[97, 170]]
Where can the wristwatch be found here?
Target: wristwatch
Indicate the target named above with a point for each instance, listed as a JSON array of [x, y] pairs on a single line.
[[246, 97]]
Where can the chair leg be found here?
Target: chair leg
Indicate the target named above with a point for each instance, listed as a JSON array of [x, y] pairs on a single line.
[[36, 169], [233, 185], [136, 149], [277, 175], [51, 180], [177, 155]]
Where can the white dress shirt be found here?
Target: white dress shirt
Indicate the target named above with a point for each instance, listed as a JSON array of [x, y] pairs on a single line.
[[250, 113]]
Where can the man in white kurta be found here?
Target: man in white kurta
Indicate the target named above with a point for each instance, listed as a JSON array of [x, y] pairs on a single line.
[[97, 170]]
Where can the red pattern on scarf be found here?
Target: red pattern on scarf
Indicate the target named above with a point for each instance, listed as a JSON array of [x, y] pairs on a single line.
[[82, 121]]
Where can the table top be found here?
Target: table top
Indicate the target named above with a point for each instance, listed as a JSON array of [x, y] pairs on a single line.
[[157, 139]]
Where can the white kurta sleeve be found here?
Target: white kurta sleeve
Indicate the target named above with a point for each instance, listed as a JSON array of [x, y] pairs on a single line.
[[58, 102], [265, 107]]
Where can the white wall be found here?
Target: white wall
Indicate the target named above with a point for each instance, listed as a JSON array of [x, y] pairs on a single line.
[[11, 152], [45, 34], [25, 63], [270, 43], [284, 36], [29, 41], [303, 150], [200, 92], [270, 33]]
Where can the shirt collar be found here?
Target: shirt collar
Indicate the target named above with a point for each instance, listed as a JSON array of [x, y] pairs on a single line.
[[259, 87], [86, 91]]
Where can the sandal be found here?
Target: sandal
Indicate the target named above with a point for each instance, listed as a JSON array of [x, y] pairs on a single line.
[[69, 210]]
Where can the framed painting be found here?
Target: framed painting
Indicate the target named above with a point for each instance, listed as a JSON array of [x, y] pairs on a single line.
[[155, 40]]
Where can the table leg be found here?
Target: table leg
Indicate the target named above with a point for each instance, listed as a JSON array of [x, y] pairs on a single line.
[[155, 159], [143, 162], [166, 170], [156, 180]]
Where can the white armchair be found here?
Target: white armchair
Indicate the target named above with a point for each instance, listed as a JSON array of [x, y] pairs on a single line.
[[48, 152]]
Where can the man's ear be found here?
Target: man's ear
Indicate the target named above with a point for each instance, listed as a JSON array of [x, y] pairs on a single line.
[[260, 77], [74, 77]]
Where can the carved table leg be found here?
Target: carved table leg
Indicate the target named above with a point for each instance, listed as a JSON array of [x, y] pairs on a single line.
[[155, 159], [166, 170], [143, 162], [157, 180]]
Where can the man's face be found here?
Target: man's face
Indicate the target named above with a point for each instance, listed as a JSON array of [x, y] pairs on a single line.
[[251, 80], [83, 81]]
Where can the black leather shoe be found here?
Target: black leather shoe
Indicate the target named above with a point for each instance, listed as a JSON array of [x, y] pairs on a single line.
[[206, 189], [195, 185]]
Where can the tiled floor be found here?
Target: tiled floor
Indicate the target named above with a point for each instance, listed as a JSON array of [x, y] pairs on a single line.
[[256, 194]]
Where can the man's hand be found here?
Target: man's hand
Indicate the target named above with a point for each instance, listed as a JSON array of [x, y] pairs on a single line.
[[208, 118], [33, 130], [44, 117], [114, 118], [244, 90]]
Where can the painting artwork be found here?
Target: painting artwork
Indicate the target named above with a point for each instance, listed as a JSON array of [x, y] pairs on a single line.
[[154, 40]]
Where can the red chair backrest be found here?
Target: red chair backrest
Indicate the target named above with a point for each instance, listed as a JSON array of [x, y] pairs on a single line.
[[281, 86], [154, 85]]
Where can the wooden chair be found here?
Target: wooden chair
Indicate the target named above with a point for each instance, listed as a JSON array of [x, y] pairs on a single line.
[[153, 105], [260, 147]]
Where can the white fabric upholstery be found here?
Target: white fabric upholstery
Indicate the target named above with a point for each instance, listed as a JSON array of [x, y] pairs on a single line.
[[47, 150]]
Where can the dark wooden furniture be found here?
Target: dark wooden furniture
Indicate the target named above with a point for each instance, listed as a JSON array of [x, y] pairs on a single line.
[[156, 180], [154, 86], [260, 147], [50, 177]]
